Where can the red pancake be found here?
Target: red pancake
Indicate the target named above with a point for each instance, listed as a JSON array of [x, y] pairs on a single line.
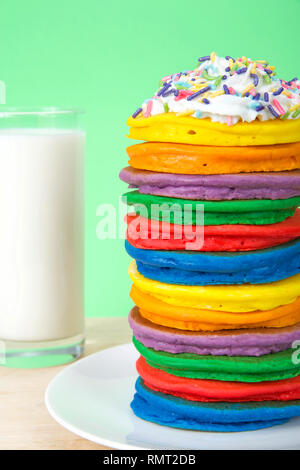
[[216, 391], [143, 233]]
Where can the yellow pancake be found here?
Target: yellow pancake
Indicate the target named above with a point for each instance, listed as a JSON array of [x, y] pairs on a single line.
[[168, 127], [192, 319], [229, 298]]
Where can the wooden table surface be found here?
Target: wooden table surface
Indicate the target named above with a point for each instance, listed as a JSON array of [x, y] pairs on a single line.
[[24, 420]]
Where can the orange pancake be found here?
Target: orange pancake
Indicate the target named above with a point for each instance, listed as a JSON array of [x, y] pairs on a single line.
[[206, 160]]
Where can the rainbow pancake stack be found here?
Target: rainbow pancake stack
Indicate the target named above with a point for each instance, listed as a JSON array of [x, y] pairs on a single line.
[[215, 238]]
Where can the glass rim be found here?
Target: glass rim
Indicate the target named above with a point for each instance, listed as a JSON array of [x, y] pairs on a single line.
[[11, 111]]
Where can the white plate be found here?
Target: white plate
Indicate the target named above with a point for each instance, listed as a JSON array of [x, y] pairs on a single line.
[[91, 398]]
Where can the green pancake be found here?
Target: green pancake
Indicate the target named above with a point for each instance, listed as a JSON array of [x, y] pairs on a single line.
[[277, 366], [254, 211]]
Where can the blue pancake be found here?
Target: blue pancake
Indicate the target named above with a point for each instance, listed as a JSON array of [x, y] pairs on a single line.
[[206, 268], [226, 417]]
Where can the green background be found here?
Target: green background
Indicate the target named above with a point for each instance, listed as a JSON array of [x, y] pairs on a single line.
[[108, 56]]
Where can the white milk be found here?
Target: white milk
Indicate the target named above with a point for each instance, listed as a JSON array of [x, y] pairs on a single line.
[[41, 234]]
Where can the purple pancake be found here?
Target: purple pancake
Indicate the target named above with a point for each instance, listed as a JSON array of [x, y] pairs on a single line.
[[246, 342], [274, 185]]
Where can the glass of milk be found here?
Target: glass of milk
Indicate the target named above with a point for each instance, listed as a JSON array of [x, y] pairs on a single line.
[[41, 236]]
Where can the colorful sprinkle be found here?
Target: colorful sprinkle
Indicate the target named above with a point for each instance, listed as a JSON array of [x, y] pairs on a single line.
[[267, 79], [183, 94], [272, 111], [286, 115], [253, 68], [168, 92], [183, 85], [147, 113], [137, 112], [206, 101], [259, 108], [242, 70], [216, 93], [206, 76], [164, 88], [200, 86], [278, 107], [234, 68], [296, 113], [255, 78], [198, 93], [296, 106], [266, 96], [225, 87], [278, 92], [204, 58], [248, 88], [218, 81]]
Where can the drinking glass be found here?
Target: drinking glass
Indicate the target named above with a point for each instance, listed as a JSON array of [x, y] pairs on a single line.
[[41, 236]]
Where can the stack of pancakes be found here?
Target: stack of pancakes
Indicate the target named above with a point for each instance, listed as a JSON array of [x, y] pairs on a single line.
[[215, 240]]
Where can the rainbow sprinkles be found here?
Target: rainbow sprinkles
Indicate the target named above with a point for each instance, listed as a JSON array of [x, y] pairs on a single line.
[[226, 90]]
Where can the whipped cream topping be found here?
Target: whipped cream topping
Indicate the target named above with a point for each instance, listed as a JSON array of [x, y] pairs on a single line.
[[226, 90]]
